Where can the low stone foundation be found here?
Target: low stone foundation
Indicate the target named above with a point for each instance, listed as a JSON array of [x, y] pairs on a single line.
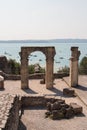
[[12, 106], [37, 100], [31, 76]]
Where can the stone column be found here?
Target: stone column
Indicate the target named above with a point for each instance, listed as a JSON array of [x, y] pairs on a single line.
[[24, 70], [1, 82], [74, 66], [49, 71]]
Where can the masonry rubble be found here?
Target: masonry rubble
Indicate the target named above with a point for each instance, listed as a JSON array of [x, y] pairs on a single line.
[[11, 106], [9, 112], [60, 110]]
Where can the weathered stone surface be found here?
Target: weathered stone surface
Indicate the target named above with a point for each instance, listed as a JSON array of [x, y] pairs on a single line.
[[68, 92], [49, 53], [57, 115], [59, 110], [1, 82], [69, 113], [42, 81], [76, 108], [49, 106], [9, 112], [55, 106], [33, 101], [75, 53]]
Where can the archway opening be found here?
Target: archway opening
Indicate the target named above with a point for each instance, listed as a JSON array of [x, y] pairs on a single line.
[[36, 65], [49, 53]]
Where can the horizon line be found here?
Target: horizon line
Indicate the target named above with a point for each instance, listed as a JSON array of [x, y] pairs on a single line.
[[45, 39]]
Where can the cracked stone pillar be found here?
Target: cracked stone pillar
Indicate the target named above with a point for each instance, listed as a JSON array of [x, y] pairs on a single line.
[[24, 70], [49, 70], [75, 53]]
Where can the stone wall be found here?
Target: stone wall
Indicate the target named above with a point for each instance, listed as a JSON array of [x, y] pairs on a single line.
[[32, 76], [11, 108], [37, 100], [9, 112]]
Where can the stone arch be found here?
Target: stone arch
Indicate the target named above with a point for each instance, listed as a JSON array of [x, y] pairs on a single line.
[[49, 53]]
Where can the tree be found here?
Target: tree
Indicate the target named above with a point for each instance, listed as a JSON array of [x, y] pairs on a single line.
[[64, 69], [83, 66], [13, 66], [31, 69]]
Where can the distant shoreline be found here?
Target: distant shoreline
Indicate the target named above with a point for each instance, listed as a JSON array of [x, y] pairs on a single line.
[[46, 41]]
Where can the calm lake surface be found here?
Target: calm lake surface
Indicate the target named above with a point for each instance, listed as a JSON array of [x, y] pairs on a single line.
[[11, 50]]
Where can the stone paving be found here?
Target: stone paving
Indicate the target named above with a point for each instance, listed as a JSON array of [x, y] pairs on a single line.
[[14, 87], [36, 120], [81, 89]]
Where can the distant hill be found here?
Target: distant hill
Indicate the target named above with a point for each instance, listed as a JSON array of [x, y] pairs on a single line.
[[46, 41]]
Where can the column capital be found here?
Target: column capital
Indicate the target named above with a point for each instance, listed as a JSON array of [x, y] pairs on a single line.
[[75, 54]]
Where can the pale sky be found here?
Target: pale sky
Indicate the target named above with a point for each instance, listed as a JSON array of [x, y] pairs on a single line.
[[43, 19]]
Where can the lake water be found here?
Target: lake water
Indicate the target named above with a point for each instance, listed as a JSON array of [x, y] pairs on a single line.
[[11, 50]]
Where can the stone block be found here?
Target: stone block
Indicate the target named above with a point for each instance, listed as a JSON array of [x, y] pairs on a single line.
[[76, 108], [49, 106], [1, 82], [57, 115], [68, 92], [56, 106], [69, 113], [42, 81]]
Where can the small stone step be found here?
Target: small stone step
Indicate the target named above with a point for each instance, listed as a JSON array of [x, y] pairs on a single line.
[[68, 92]]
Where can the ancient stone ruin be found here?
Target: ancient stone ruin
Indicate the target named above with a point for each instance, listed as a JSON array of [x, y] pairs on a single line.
[[60, 110], [49, 53], [11, 106]]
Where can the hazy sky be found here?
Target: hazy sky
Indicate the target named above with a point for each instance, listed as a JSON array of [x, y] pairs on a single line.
[[43, 19]]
